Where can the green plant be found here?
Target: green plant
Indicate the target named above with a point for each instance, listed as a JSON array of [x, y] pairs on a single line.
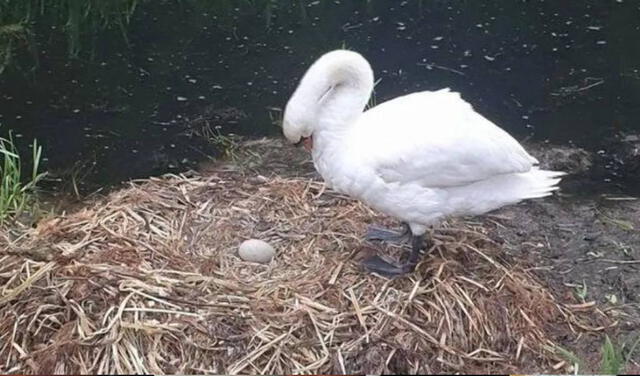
[[77, 174], [90, 16], [223, 142], [373, 100], [10, 36], [22, 23], [578, 364], [77, 25], [613, 359], [17, 193], [276, 116], [581, 291]]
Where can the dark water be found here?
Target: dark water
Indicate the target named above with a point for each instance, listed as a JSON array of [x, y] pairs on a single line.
[[564, 71]]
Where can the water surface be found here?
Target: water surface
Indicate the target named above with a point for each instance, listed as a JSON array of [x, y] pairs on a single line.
[[567, 72]]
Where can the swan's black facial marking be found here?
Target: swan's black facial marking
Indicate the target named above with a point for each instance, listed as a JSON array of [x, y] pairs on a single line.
[[325, 94]]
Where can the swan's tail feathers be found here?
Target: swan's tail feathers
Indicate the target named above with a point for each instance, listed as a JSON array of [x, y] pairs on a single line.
[[486, 195], [539, 183]]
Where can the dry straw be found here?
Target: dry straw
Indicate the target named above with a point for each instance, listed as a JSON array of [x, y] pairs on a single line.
[[147, 280]]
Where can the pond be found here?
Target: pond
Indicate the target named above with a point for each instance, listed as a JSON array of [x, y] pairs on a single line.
[[132, 102]]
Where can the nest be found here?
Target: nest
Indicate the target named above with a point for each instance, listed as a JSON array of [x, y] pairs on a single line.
[[147, 280]]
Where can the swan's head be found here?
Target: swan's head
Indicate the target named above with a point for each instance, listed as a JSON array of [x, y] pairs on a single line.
[[298, 125], [337, 85]]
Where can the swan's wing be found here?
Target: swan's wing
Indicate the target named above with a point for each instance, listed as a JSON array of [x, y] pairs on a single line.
[[435, 139]]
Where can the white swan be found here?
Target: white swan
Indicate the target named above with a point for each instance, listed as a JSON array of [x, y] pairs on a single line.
[[420, 157]]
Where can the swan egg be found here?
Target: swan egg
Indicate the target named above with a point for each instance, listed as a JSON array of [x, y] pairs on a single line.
[[255, 250]]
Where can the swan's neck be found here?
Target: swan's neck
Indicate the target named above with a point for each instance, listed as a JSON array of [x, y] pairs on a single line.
[[341, 83], [344, 104]]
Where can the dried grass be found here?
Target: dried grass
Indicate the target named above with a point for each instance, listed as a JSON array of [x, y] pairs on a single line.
[[147, 281]]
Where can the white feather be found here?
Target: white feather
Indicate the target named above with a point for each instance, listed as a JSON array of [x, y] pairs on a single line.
[[419, 157]]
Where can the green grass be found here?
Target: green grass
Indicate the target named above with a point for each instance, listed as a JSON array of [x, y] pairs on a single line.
[[373, 101], [17, 191], [276, 116], [613, 359], [581, 291], [224, 143], [11, 35], [612, 362], [27, 25]]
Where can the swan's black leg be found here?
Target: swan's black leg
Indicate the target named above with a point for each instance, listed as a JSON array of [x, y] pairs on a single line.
[[376, 264], [383, 234], [417, 242]]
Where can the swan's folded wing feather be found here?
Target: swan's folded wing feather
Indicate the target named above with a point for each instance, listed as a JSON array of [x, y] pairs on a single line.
[[436, 139]]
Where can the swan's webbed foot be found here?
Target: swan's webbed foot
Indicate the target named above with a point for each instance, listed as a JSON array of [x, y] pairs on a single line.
[[383, 234], [376, 264]]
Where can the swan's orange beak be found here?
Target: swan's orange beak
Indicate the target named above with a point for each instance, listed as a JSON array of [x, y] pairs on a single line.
[[307, 142]]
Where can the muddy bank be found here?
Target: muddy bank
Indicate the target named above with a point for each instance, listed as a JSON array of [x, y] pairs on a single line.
[[588, 237], [587, 249], [612, 168]]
